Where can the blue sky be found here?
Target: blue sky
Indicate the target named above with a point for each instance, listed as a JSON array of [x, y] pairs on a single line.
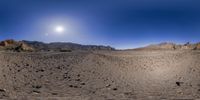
[[118, 23]]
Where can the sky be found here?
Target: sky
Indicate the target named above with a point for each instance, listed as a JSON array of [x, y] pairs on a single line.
[[122, 24]]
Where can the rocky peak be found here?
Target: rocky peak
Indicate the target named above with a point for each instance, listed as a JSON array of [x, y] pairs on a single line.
[[7, 43], [13, 45]]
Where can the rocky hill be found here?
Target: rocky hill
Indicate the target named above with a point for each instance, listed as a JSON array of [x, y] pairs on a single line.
[[171, 46], [197, 46], [61, 46], [24, 45], [12, 45]]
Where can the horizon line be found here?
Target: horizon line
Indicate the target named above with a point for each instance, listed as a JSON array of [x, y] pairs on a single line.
[[143, 45]]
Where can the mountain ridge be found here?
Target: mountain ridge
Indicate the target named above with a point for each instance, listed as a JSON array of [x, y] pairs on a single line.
[[25, 45], [171, 46]]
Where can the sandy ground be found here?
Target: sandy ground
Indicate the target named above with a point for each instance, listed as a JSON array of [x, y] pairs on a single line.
[[105, 75]]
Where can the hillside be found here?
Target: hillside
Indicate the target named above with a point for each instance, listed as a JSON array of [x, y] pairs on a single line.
[[12, 45], [56, 46], [171, 46]]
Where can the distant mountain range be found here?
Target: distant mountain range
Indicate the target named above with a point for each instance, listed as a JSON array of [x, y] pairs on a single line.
[[24, 45], [12, 45]]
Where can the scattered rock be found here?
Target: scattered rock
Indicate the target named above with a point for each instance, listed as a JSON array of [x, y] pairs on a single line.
[[54, 93], [36, 91], [108, 85], [115, 89], [179, 92], [198, 89], [75, 86], [37, 86], [179, 83], [2, 90], [42, 70], [78, 80], [82, 83], [104, 81], [59, 67], [63, 50], [70, 85]]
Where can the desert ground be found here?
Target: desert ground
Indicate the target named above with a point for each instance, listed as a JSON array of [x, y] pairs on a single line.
[[100, 75]]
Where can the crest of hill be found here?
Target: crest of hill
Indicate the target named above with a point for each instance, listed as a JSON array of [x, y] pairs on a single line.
[[171, 46], [12, 45], [59, 46], [24, 45]]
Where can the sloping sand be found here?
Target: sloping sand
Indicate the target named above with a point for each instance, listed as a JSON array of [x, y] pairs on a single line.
[[103, 75]]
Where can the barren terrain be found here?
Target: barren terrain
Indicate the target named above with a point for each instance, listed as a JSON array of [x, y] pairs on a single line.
[[100, 75]]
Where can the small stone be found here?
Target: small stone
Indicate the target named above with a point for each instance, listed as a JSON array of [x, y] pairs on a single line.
[[179, 92], [115, 89], [179, 83], [54, 93], [35, 91], [108, 85], [42, 70], [37, 86], [2, 90], [77, 80], [78, 75], [75, 86]]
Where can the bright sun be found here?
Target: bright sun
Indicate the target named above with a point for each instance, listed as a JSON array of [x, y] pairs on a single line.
[[59, 29]]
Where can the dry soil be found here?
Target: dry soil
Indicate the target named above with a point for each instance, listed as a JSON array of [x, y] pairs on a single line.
[[103, 75]]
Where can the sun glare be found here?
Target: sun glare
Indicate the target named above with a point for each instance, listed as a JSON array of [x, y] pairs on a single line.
[[59, 29]]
